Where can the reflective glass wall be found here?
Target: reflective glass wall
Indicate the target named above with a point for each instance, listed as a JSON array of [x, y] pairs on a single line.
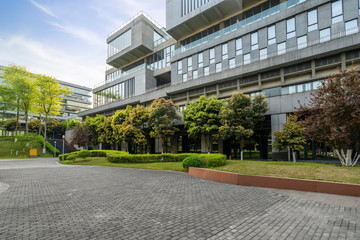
[[120, 43]]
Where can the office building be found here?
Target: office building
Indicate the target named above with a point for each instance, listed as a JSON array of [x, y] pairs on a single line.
[[279, 48]]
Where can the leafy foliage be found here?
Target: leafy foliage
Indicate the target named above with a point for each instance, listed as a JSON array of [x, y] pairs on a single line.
[[193, 161], [10, 125], [202, 118], [333, 114], [291, 135], [163, 116], [106, 132], [93, 124], [81, 135], [241, 115]]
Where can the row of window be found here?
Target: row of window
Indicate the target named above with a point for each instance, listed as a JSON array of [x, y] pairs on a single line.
[[118, 92], [120, 43], [190, 5]]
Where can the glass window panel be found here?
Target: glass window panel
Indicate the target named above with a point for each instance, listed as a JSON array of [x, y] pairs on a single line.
[[312, 20], [254, 41], [231, 63], [212, 55], [246, 58], [200, 59], [281, 48], [271, 35], [238, 45], [224, 49], [302, 42], [179, 65], [351, 27], [189, 63], [263, 53], [325, 35], [336, 11], [218, 67], [290, 28], [195, 74], [206, 71]]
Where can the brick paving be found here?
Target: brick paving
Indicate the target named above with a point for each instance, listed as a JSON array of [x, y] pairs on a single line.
[[41, 199]]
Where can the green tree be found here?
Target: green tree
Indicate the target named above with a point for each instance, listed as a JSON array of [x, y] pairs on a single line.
[[163, 116], [34, 126], [106, 132], [10, 125], [333, 114], [119, 124], [49, 99], [7, 100], [93, 124], [202, 118], [240, 116], [23, 88], [291, 136], [81, 135]]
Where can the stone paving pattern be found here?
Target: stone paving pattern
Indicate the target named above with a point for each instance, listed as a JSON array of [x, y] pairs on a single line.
[[46, 200]]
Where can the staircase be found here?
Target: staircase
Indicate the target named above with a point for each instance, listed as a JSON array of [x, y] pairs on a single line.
[[68, 148]]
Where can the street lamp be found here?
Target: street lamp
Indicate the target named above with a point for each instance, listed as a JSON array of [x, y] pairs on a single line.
[[63, 138], [55, 149]]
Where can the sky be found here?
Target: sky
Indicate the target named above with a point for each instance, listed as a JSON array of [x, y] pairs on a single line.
[[66, 39]]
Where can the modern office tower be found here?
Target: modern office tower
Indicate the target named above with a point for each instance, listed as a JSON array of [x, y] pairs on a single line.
[[78, 100], [279, 48]]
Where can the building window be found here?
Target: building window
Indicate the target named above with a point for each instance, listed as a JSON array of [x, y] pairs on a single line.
[[218, 67], [290, 28], [212, 55], [351, 27], [189, 63], [271, 35], [312, 20], [246, 58], [254, 41], [238, 45], [281, 48], [263, 53], [195, 74], [325, 35], [120, 43], [206, 71], [231, 63], [184, 77], [359, 7], [179, 66], [336, 11], [224, 49], [302, 42], [200, 60]]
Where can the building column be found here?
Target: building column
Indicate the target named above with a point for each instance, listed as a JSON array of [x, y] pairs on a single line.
[[174, 144], [276, 124], [217, 91], [259, 81], [221, 146], [204, 144], [282, 76], [100, 146], [238, 85], [313, 71], [343, 60]]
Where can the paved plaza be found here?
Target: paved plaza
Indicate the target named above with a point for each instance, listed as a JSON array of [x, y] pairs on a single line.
[[42, 199]]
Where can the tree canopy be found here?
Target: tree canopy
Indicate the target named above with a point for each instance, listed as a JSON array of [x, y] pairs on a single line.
[[202, 118], [291, 136], [240, 115], [333, 114]]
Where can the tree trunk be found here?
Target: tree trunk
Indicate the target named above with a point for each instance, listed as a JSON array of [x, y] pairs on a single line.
[[242, 142], [162, 145], [44, 147], [40, 125], [26, 123], [294, 156], [127, 147], [209, 144], [346, 159], [17, 117]]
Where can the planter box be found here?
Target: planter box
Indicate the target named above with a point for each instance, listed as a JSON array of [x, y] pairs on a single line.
[[277, 182]]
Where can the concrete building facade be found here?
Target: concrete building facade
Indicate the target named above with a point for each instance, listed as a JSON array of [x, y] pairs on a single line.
[[282, 49]]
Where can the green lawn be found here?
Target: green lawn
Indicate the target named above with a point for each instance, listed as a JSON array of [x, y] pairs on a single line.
[[301, 170], [8, 148], [101, 161]]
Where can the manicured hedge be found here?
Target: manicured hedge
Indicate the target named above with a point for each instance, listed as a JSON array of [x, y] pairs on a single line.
[[93, 153], [211, 160], [193, 161]]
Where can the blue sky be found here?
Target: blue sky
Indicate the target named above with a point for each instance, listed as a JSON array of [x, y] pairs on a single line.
[[66, 39]]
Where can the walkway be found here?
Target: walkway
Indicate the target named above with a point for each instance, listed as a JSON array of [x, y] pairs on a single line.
[[41, 199]]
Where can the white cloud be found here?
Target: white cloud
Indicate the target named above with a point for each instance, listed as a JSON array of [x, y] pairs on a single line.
[[44, 9], [80, 33], [85, 69]]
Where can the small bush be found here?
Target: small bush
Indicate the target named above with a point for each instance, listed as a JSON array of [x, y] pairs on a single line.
[[83, 154], [71, 157], [134, 158], [193, 161], [65, 156], [103, 153], [214, 160]]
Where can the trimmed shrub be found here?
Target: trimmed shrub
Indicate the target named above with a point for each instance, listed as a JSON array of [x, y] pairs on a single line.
[[65, 156], [214, 160], [134, 158], [71, 157], [103, 153], [83, 154], [193, 161]]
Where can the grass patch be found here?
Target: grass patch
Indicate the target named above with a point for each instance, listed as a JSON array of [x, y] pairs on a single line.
[[8, 147], [301, 170], [101, 161]]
